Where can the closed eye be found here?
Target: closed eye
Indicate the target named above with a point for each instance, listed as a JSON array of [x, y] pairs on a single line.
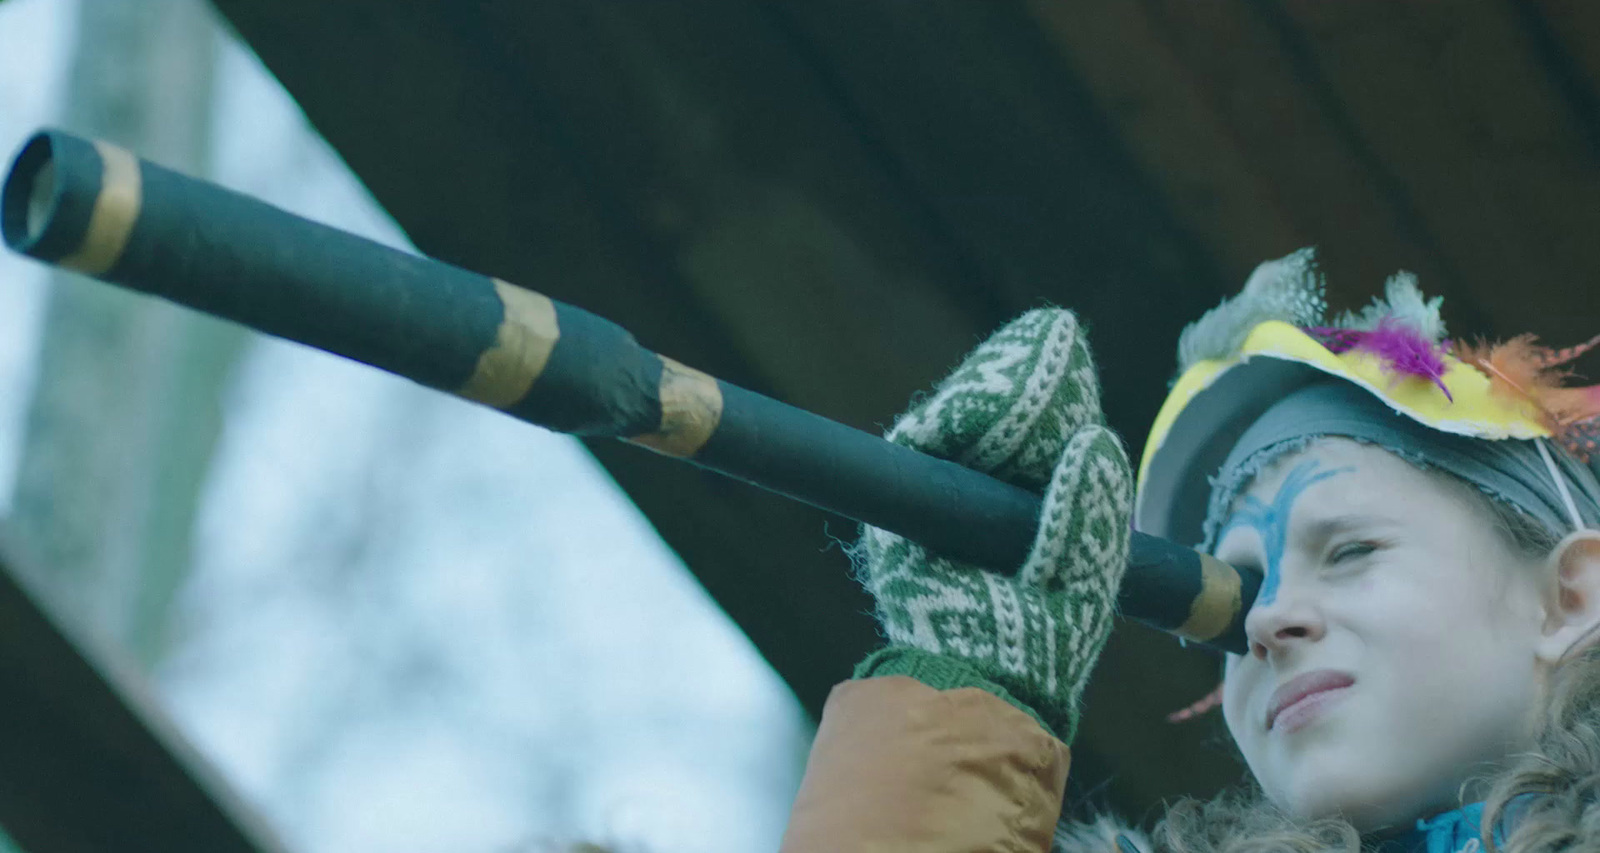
[[1351, 551]]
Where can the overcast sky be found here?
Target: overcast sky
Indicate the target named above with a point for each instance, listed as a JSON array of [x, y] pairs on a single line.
[[415, 624]]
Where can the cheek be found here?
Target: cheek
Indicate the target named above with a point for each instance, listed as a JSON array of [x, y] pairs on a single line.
[[1457, 618], [1459, 646], [1379, 601], [1238, 684], [1413, 646], [1399, 610], [1456, 641]]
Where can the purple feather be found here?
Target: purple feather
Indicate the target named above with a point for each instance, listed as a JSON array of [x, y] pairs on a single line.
[[1335, 339], [1407, 351]]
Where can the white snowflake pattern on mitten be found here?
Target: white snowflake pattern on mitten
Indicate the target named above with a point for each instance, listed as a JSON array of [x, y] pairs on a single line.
[[1024, 406]]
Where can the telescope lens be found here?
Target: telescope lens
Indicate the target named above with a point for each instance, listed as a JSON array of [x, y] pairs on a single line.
[[30, 199], [41, 200]]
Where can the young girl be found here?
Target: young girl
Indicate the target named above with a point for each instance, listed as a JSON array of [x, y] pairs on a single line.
[[1424, 517]]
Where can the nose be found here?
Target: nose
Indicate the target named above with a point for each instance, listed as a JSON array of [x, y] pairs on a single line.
[[1291, 618]]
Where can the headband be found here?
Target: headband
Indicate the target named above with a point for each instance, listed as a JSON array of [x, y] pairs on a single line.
[[1553, 488]]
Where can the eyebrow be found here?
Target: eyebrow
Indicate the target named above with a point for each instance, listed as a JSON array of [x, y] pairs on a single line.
[[1323, 529], [1271, 520], [1326, 528]]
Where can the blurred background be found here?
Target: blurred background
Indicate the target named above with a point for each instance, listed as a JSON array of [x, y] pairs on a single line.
[[395, 620]]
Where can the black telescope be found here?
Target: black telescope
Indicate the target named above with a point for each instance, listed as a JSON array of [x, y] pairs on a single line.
[[100, 210]]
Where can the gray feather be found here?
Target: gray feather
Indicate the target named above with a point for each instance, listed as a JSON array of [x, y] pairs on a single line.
[[1289, 289], [1402, 302]]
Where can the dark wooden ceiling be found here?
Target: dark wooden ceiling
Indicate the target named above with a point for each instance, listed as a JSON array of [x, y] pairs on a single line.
[[830, 200]]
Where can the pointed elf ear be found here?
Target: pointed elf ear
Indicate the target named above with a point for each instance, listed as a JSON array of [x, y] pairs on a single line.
[[1572, 607]]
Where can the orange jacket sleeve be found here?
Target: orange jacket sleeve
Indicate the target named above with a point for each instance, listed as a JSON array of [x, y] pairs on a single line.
[[900, 766]]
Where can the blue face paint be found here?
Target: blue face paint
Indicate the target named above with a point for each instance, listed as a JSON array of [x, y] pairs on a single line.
[[1272, 520]]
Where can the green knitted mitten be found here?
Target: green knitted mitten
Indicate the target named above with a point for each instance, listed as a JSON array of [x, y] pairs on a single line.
[[1025, 407]]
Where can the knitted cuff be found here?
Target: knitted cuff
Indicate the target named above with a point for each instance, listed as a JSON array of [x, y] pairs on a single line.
[[947, 673]]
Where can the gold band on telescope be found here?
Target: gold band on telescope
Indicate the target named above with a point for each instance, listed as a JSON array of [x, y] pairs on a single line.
[[691, 409], [1218, 602], [116, 209], [522, 346]]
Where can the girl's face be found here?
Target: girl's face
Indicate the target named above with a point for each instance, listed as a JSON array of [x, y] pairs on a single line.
[[1392, 644]]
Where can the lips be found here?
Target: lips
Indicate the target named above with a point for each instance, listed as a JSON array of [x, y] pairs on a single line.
[[1302, 687]]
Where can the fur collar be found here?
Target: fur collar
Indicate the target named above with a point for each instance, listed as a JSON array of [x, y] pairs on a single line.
[[1100, 836]]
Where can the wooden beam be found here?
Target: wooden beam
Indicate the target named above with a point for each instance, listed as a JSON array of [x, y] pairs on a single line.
[[1565, 35], [1013, 161], [1458, 105], [1252, 111], [1169, 118], [92, 763]]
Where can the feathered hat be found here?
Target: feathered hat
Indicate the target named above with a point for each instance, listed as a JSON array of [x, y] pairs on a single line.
[[1273, 340]]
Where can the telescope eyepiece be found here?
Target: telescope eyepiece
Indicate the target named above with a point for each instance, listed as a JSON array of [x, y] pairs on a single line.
[[71, 202], [30, 196], [41, 201]]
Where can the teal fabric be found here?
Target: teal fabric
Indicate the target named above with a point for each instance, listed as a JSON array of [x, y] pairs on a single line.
[[1454, 831]]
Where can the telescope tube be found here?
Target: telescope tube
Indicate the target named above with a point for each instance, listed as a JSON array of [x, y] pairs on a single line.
[[98, 209]]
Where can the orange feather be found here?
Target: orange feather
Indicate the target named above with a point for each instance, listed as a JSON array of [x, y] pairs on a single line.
[[1562, 356], [1515, 368], [1522, 369]]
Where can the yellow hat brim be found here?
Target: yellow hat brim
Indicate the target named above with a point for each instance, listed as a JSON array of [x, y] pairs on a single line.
[[1213, 402]]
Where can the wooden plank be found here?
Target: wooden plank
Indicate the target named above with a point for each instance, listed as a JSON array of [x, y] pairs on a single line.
[[1455, 101], [91, 762], [1565, 35], [973, 107], [1576, 26], [1170, 122], [1259, 93]]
